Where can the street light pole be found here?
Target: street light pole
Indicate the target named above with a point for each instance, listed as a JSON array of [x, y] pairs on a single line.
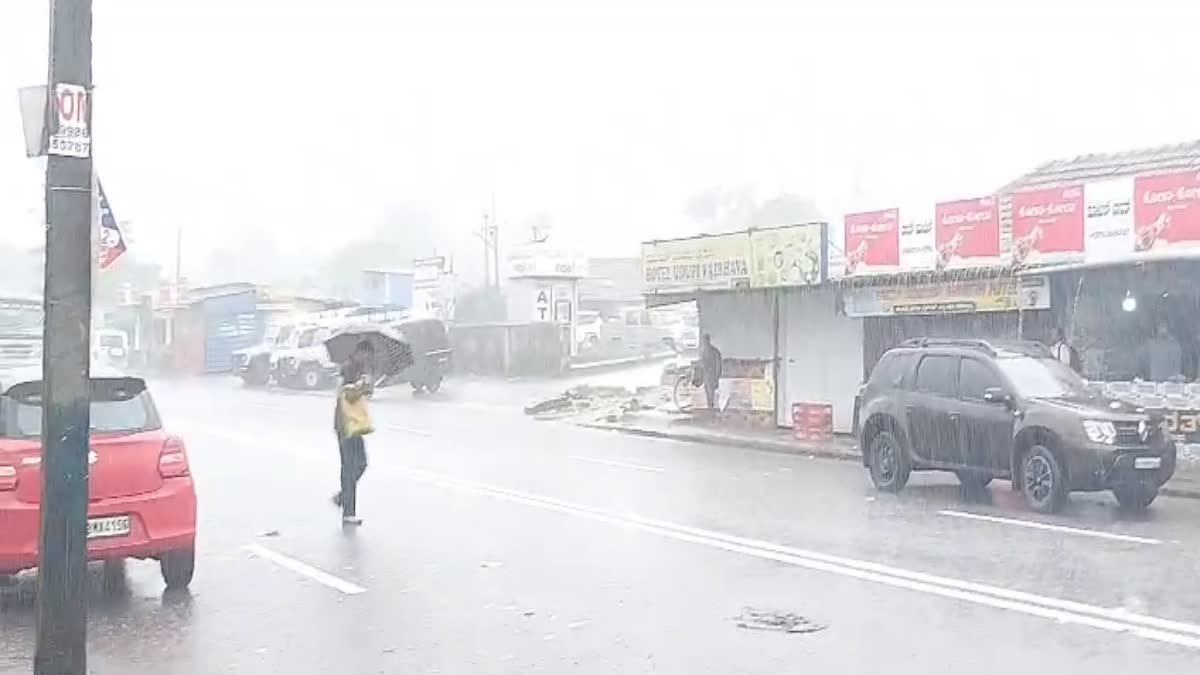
[[61, 604]]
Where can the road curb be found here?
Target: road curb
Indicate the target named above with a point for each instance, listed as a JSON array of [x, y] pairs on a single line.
[[1185, 492], [612, 363], [746, 443]]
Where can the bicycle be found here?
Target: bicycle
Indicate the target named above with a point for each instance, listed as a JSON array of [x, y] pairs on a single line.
[[686, 385]]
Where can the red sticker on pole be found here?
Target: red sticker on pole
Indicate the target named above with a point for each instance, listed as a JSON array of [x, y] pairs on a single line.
[[1047, 225], [872, 241], [112, 240], [1166, 210], [967, 231]]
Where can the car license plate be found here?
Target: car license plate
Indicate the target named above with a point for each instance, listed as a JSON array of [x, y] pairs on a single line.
[[1147, 462], [100, 528]]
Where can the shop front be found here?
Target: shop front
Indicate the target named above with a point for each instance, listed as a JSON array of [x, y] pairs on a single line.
[[740, 283], [1136, 327], [983, 303]]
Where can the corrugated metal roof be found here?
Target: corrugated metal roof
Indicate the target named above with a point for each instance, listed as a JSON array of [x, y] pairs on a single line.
[[1181, 156]]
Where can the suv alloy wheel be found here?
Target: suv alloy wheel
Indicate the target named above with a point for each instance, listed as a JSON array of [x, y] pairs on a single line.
[[1042, 480], [889, 463]]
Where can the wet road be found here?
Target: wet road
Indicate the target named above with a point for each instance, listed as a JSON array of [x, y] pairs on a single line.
[[497, 544]]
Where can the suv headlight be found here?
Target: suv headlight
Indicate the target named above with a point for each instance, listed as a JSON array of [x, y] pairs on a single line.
[[1100, 432]]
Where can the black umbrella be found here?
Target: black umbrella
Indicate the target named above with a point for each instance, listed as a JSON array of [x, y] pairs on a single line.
[[392, 352]]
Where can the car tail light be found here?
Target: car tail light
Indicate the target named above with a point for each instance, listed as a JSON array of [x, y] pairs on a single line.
[[8, 478], [173, 462]]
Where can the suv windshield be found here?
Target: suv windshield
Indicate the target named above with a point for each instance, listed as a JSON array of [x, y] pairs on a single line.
[[1042, 377]]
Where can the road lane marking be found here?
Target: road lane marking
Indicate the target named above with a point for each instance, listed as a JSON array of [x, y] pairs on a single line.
[[1099, 534], [1064, 611], [619, 465], [408, 430], [305, 570]]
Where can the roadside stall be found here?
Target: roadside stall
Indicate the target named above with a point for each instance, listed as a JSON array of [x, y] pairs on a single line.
[[1131, 296]]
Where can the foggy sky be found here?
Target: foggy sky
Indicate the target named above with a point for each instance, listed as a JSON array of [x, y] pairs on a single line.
[[307, 120]]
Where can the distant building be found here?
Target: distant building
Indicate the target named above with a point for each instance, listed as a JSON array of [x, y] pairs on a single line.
[[391, 289], [611, 284]]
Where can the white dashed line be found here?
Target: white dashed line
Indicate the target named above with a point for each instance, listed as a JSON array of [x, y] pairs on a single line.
[[1098, 534], [408, 430], [619, 465], [1031, 604], [305, 570]]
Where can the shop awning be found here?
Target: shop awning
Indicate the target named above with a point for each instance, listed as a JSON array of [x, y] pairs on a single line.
[[1173, 256], [926, 276]]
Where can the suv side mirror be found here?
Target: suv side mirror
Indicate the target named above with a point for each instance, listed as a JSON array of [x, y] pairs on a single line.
[[997, 395]]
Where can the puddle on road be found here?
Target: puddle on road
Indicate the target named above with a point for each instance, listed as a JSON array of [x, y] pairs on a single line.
[[783, 622]]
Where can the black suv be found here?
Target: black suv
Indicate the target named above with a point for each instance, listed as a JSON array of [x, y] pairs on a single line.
[[987, 410]]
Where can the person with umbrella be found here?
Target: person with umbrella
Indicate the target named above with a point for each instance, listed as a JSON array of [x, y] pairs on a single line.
[[366, 354], [354, 391]]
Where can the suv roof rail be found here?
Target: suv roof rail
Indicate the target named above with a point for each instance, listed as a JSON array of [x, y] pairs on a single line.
[[966, 343]]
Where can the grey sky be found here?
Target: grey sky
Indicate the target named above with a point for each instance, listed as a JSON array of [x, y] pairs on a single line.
[[307, 119]]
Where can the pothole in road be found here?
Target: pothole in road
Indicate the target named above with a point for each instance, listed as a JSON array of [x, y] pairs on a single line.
[[782, 622]]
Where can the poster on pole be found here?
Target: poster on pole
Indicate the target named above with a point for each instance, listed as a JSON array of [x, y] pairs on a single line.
[[112, 240], [72, 135]]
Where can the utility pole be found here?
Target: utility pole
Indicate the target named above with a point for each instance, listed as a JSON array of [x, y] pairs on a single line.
[[484, 235], [61, 597], [494, 235]]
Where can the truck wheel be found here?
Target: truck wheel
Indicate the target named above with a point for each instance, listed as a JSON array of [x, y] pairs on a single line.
[[433, 383], [1135, 497], [1043, 481], [178, 567], [888, 462], [311, 378], [258, 374]]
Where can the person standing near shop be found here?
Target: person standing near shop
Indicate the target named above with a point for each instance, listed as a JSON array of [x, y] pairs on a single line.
[[1161, 357], [710, 367]]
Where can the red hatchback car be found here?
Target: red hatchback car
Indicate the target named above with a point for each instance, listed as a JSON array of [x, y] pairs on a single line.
[[142, 501]]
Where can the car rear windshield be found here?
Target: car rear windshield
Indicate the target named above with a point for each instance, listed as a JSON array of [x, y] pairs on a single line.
[[1042, 377], [118, 405]]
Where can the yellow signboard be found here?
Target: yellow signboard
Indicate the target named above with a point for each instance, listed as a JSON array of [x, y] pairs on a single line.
[[786, 256], [949, 297], [705, 262]]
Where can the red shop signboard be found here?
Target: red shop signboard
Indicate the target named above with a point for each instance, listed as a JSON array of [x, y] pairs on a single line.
[[872, 241], [1047, 224], [967, 232], [1166, 210]]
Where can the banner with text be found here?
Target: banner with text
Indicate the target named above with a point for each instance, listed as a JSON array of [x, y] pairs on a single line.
[[872, 242], [788, 256], [708, 262], [1166, 212], [949, 297], [1108, 224], [967, 233], [918, 248], [1047, 225]]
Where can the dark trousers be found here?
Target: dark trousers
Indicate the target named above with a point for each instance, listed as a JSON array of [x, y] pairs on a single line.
[[710, 393], [354, 464]]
